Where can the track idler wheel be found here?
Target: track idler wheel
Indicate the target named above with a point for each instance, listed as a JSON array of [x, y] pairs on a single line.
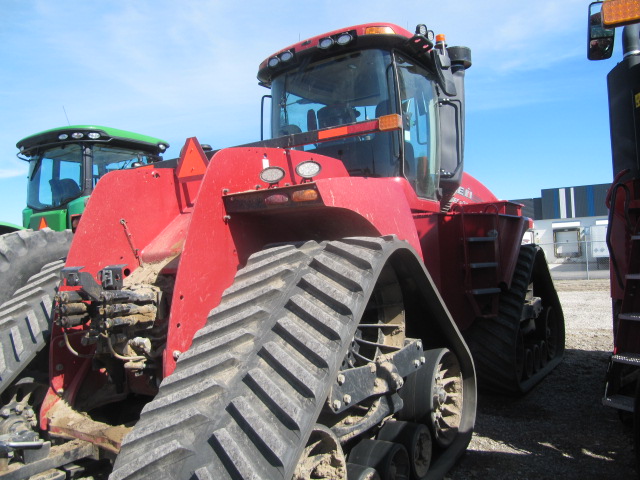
[[389, 459], [416, 439], [433, 395]]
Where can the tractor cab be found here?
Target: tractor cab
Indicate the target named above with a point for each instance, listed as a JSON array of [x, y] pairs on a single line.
[[367, 72], [66, 163]]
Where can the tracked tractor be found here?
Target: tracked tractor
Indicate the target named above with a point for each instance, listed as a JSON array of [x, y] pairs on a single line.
[[65, 165], [293, 308], [622, 390]]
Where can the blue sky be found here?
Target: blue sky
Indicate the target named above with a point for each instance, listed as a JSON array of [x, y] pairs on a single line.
[[536, 107]]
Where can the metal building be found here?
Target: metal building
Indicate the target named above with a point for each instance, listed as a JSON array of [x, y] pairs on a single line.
[[570, 224]]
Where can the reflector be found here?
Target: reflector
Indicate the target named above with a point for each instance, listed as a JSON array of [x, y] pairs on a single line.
[[378, 30], [304, 195], [616, 13], [277, 199], [390, 122]]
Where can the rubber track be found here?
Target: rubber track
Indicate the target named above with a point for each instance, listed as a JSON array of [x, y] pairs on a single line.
[[25, 322], [25, 252], [493, 341], [244, 398]]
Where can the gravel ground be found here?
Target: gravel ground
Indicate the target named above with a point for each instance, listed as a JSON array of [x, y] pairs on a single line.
[[560, 429]]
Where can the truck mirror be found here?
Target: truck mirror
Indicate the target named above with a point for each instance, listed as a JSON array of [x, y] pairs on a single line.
[[600, 39]]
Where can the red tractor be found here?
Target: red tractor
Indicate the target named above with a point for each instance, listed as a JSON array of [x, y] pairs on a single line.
[[292, 308]]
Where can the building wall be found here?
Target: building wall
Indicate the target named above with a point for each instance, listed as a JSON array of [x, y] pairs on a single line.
[[573, 202], [569, 223], [579, 239]]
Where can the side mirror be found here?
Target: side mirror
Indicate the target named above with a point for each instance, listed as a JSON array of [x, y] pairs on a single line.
[[600, 39]]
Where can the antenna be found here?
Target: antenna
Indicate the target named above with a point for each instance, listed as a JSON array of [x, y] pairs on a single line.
[[65, 114]]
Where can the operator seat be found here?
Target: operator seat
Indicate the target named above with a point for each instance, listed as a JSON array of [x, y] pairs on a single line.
[[63, 189], [334, 115]]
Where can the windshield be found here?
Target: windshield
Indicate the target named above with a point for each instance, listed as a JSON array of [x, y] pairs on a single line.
[[361, 86], [55, 177], [56, 174], [107, 159], [350, 88]]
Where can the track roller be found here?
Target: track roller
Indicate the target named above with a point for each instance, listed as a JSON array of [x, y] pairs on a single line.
[[416, 439], [390, 459]]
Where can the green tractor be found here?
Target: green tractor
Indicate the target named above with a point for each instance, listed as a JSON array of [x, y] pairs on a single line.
[[65, 165]]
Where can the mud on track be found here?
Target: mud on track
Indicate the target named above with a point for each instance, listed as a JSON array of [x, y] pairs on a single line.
[[560, 429]]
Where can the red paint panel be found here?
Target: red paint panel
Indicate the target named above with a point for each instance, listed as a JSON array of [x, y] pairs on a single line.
[[381, 201], [210, 257], [144, 199]]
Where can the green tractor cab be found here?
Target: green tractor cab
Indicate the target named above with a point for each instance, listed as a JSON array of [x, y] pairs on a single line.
[[66, 163]]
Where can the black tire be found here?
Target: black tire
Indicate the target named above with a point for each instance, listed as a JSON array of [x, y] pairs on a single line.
[[503, 355], [25, 252], [245, 397], [25, 322]]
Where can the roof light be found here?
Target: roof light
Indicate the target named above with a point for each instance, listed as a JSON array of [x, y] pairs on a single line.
[[162, 147], [77, 135], [379, 31], [616, 13], [440, 38], [93, 135], [63, 136], [286, 56], [272, 175], [308, 169], [273, 62], [421, 29], [343, 39], [307, 195], [325, 42]]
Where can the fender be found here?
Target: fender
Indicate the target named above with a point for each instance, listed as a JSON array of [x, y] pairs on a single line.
[[376, 206]]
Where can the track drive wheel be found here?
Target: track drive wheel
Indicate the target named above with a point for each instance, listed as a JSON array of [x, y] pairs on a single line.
[[251, 397], [516, 350]]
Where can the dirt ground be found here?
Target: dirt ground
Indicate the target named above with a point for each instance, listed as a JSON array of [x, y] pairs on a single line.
[[560, 429]]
